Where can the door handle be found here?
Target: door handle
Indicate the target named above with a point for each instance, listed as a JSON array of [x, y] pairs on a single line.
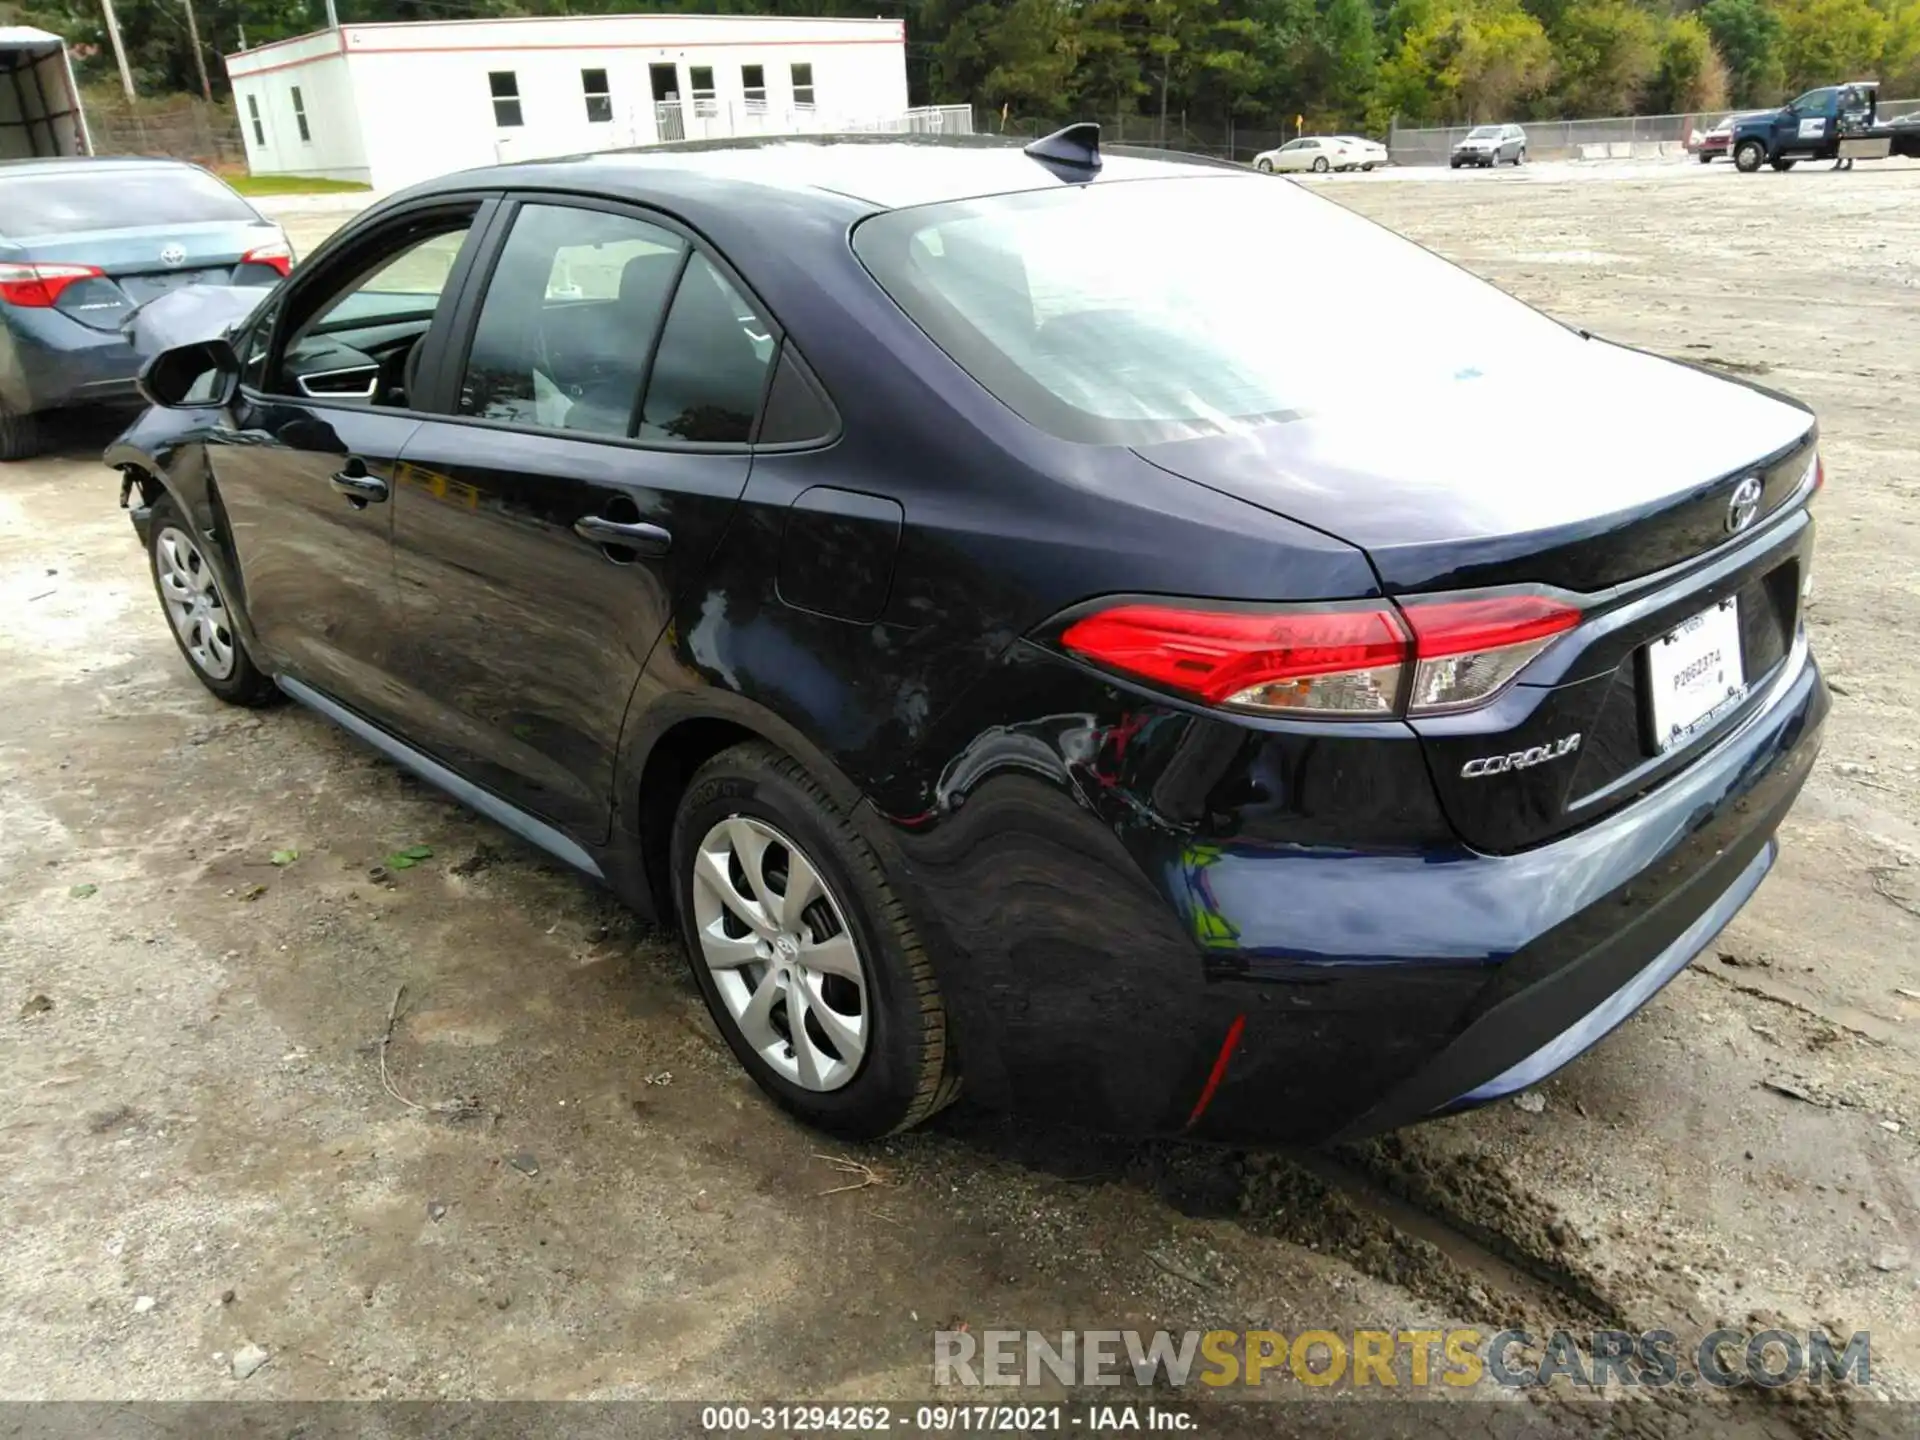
[[358, 486], [638, 536]]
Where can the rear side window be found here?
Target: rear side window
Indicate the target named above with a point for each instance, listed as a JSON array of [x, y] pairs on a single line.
[[569, 317], [712, 367], [114, 198], [588, 311]]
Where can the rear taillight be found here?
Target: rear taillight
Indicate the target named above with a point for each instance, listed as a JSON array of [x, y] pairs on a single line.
[[1326, 662], [37, 287], [1819, 468], [279, 256], [1350, 661], [1469, 649]]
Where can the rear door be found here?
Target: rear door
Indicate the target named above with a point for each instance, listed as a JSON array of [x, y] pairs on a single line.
[[305, 471], [597, 441]]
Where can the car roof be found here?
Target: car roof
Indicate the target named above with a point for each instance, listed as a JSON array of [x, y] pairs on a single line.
[[883, 172], [91, 164]]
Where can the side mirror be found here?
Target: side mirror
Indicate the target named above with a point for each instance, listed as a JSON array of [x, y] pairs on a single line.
[[201, 376]]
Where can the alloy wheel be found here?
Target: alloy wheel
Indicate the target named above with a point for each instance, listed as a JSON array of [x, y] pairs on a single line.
[[784, 960], [193, 603]]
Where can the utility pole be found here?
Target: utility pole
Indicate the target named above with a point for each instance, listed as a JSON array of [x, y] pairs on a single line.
[[199, 55], [119, 50], [333, 16]]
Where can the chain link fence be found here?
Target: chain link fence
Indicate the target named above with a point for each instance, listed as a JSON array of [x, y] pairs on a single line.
[[178, 128], [1618, 137]]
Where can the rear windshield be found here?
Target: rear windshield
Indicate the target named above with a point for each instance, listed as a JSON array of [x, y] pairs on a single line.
[[1141, 311], [127, 198]]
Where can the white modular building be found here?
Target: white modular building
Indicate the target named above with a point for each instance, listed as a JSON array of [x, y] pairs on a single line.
[[393, 104]]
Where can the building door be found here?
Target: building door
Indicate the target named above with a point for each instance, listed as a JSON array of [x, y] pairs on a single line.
[[664, 82]]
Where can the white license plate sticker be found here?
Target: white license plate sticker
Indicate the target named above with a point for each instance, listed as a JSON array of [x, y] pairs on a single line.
[[1694, 673]]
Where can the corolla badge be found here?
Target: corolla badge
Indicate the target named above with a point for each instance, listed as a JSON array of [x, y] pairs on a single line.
[[174, 254], [1744, 505], [1520, 759]]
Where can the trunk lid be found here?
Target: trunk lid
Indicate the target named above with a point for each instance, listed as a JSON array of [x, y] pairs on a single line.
[[1602, 466], [1612, 478], [145, 263]]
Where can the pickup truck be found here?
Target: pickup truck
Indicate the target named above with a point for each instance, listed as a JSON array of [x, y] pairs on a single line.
[[1836, 122]]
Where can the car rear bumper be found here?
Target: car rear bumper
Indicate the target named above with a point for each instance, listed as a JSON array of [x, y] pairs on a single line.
[[1115, 975], [53, 361]]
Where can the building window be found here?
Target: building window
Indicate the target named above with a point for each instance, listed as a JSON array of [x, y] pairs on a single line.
[[253, 114], [803, 84], [505, 86], [700, 77], [599, 98], [300, 114], [753, 79]]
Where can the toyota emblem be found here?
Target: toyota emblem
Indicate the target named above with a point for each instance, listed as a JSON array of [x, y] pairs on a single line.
[[174, 254], [1744, 505]]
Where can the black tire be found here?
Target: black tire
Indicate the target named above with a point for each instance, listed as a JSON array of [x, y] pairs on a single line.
[[1783, 164], [1705, 159], [1265, 167], [1749, 156], [907, 1072], [1320, 165], [1453, 164], [242, 684], [19, 435], [1519, 158], [1367, 168]]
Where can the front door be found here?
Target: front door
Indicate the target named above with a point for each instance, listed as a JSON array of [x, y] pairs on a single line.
[[597, 446], [1808, 125], [305, 472]]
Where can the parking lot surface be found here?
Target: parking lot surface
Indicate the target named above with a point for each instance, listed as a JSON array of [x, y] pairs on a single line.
[[204, 944]]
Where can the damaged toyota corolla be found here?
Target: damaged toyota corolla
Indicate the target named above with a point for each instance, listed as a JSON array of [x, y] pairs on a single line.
[[1010, 638]]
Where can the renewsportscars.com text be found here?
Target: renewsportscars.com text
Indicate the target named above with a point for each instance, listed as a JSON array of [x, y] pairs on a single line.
[[1410, 1359]]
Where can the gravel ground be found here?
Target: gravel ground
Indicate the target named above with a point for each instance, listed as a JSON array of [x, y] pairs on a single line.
[[201, 1154]]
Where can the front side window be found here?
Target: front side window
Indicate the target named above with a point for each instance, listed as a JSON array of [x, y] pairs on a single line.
[[803, 84], [300, 114], [753, 81], [505, 87], [599, 99], [1133, 313], [353, 343], [569, 317], [254, 345], [253, 114]]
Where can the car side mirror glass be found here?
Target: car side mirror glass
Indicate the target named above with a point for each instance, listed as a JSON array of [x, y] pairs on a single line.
[[200, 376]]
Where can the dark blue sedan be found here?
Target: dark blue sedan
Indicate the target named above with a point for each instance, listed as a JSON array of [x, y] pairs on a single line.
[[1010, 639], [86, 243]]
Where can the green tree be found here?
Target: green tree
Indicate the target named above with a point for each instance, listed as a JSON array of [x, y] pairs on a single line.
[[1748, 34], [1019, 55], [1689, 75], [1604, 52], [1900, 55], [1351, 50], [1827, 41], [1465, 60]]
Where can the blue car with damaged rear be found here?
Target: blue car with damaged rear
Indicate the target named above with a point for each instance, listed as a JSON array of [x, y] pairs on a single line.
[[1013, 643]]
